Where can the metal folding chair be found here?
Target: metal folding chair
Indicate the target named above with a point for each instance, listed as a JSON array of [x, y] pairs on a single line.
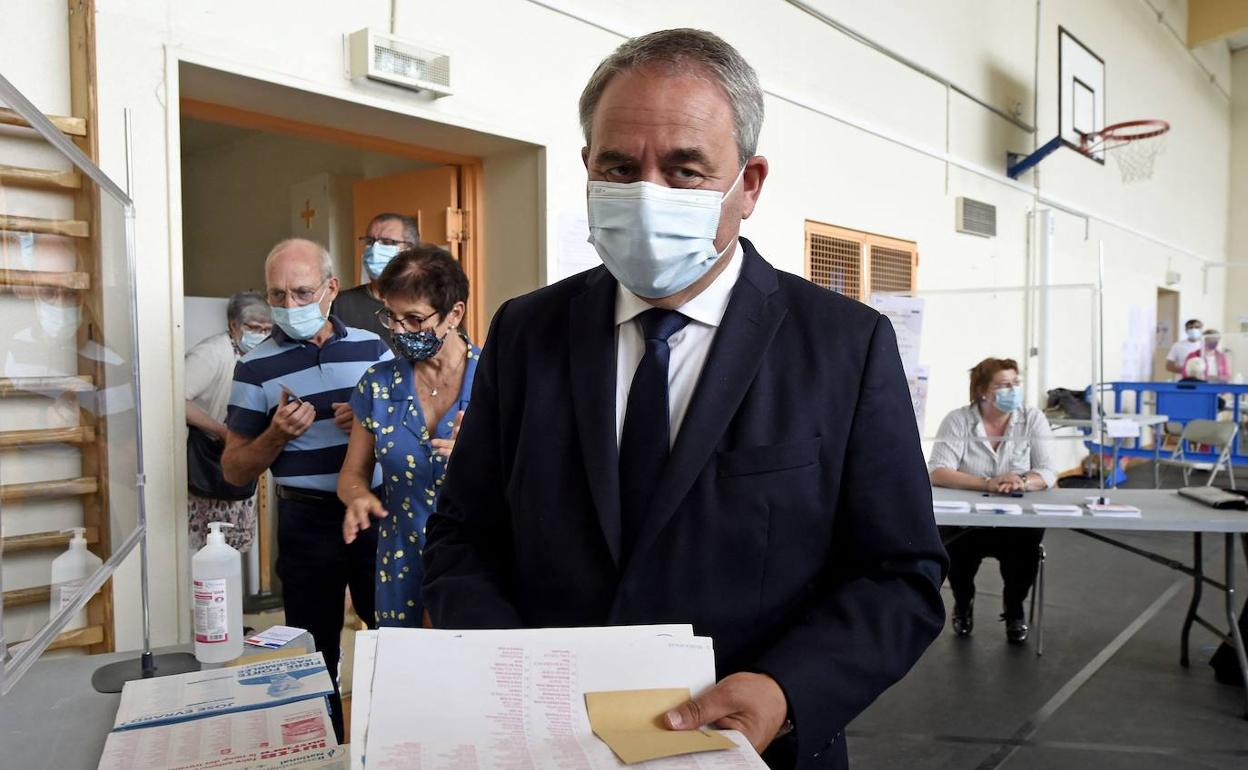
[[1220, 435]]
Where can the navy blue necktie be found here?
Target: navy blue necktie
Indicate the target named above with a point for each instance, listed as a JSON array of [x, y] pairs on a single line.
[[645, 441]]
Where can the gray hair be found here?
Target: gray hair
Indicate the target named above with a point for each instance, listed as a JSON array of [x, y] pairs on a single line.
[[687, 52], [246, 306], [327, 262], [411, 232]]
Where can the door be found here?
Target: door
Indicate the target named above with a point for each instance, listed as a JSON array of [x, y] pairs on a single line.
[[431, 195], [1167, 331]]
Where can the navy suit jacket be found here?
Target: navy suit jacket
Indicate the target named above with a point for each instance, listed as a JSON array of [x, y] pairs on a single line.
[[793, 522]]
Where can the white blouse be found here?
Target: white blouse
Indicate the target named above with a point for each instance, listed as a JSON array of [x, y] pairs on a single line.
[[1015, 454]]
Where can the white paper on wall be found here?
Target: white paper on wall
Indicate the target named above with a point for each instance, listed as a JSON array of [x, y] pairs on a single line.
[[906, 316], [573, 251]]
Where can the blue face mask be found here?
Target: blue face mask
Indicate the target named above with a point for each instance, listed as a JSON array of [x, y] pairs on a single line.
[[377, 256], [303, 322], [1009, 399], [1193, 334], [419, 345], [656, 241], [250, 339]]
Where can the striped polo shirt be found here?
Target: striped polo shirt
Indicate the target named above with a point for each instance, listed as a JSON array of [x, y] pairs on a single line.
[[320, 375]]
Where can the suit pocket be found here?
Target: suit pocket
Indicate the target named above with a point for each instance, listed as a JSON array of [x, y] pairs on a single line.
[[769, 459]]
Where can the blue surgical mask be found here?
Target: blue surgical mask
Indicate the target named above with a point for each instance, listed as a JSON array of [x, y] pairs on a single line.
[[418, 345], [250, 339], [1009, 399], [377, 256], [1193, 334], [303, 322], [656, 241]]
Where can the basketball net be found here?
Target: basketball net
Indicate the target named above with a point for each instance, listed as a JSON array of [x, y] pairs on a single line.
[[1135, 145]]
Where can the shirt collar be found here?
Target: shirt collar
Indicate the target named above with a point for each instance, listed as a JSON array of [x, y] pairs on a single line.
[[280, 337], [707, 308]]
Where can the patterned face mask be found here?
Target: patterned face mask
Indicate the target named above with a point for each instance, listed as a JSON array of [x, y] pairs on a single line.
[[420, 345]]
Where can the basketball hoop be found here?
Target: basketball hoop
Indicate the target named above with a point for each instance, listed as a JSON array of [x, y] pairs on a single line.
[[1136, 144]]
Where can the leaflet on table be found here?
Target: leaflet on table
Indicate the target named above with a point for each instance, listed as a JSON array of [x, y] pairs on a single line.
[[509, 699], [951, 506], [291, 735], [1053, 509], [366, 654], [221, 690], [1011, 509]]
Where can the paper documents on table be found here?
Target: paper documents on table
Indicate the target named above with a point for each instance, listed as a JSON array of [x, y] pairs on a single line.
[[1052, 509], [495, 699], [1012, 509], [951, 506], [1115, 510], [222, 690], [292, 735]]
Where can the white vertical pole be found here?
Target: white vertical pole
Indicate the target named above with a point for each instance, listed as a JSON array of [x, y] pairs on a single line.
[[1047, 228]]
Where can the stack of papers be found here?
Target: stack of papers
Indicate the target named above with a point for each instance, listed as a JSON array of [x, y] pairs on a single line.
[[1115, 510], [1049, 509], [951, 506], [575, 697], [240, 717], [1012, 509]]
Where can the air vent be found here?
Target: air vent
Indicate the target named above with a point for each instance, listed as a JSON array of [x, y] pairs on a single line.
[[383, 57], [976, 217], [835, 263]]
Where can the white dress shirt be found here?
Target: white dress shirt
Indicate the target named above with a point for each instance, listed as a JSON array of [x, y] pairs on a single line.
[[1016, 452], [689, 346]]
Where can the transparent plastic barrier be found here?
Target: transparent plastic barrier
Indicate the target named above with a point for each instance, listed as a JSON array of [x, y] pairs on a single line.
[[69, 402]]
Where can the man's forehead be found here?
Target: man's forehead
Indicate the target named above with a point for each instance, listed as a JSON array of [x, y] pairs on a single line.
[[674, 110], [386, 228]]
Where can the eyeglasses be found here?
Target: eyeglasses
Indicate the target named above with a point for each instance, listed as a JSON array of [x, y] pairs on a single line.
[[304, 295], [258, 328], [411, 322], [369, 240]]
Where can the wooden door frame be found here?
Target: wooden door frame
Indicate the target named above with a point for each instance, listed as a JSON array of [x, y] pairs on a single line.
[[471, 182]]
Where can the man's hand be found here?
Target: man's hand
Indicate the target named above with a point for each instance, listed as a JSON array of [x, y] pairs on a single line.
[[356, 518], [1006, 483], [343, 415], [444, 446], [752, 704], [292, 418]]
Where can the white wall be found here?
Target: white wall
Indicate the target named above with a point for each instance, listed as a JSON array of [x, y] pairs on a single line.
[[1237, 230], [842, 130]]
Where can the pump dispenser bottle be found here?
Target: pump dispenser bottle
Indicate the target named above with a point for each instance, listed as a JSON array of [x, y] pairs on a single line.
[[217, 595], [70, 571]]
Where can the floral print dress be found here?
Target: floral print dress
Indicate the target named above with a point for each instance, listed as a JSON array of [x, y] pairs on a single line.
[[386, 404]]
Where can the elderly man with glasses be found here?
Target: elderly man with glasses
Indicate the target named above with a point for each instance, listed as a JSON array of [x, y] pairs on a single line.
[[288, 412], [387, 235]]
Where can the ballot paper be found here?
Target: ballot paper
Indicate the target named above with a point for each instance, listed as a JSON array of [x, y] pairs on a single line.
[[1050, 509], [951, 506], [1012, 509], [275, 637], [181, 697], [1114, 510], [292, 735], [502, 699]]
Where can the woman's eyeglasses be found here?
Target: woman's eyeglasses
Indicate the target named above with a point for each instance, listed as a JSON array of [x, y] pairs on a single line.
[[410, 322]]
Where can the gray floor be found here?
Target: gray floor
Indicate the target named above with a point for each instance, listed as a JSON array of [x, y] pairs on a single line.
[[1107, 693]]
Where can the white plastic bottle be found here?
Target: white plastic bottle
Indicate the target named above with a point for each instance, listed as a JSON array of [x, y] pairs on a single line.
[[217, 595], [69, 571]]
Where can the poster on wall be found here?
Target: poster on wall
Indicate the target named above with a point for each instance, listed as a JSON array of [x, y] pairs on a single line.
[[918, 393], [573, 251], [1138, 345], [906, 315]]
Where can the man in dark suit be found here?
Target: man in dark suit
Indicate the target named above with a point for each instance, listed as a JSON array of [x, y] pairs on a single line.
[[689, 435]]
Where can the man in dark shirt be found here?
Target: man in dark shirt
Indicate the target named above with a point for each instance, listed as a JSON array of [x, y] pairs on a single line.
[[388, 234]]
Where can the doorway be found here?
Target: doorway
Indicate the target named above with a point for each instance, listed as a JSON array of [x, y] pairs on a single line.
[[1167, 331]]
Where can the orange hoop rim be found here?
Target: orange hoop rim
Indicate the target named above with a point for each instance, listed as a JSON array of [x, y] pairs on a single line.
[[1124, 133]]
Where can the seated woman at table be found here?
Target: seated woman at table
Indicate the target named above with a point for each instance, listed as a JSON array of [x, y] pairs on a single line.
[[1002, 456]]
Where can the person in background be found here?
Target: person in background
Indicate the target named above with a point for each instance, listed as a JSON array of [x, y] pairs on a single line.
[[387, 235], [288, 413], [209, 379], [1183, 347], [1207, 363], [1008, 451], [407, 414]]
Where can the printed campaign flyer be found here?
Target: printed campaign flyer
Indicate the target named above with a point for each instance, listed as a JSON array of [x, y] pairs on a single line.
[[258, 685]]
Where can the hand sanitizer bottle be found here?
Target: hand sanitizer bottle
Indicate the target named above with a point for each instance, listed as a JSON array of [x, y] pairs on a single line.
[[217, 595], [70, 571]]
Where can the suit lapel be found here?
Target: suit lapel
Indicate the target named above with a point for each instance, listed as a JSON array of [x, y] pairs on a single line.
[[591, 332], [754, 314]]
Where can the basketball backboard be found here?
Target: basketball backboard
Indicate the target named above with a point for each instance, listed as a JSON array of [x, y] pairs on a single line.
[[1081, 93]]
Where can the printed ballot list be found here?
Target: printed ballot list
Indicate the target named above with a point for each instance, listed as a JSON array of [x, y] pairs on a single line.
[[516, 699]]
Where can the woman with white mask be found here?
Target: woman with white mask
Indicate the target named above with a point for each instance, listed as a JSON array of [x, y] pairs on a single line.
[[209, 378], [994, 445]]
